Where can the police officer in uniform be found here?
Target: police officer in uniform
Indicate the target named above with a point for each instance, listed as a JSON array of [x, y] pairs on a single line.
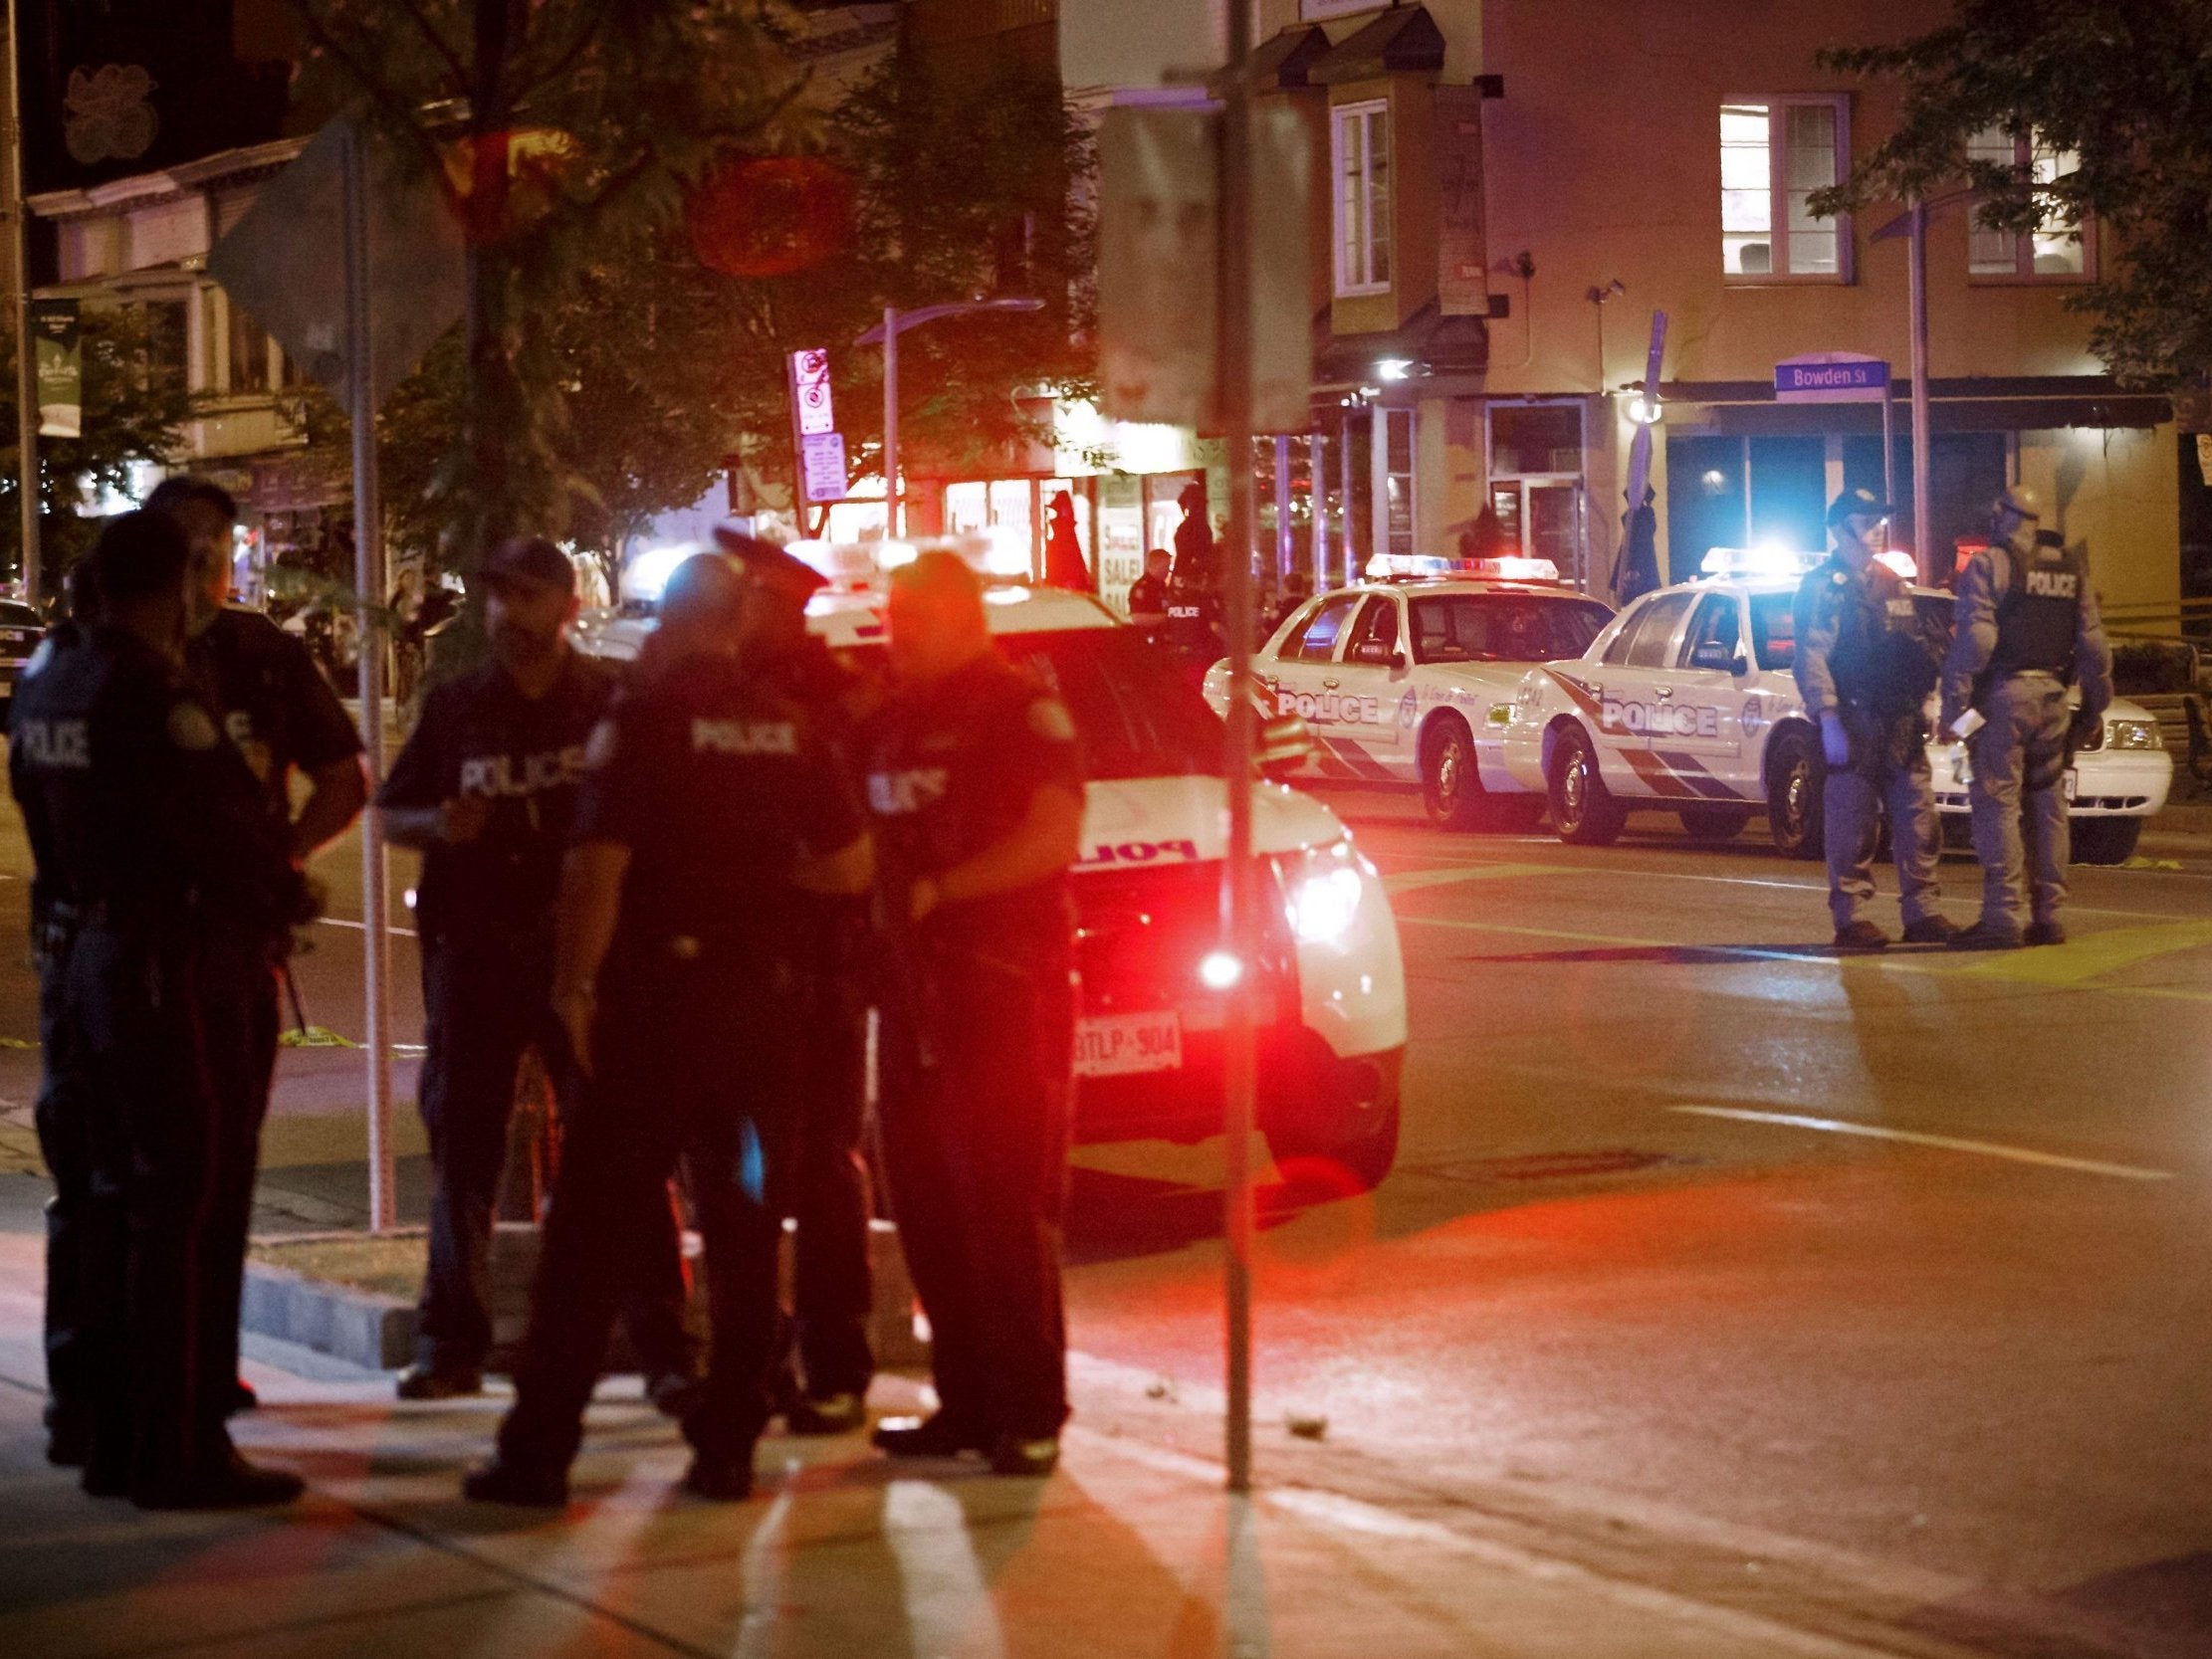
[[1148, 594], [1866, 659], [486, 786], [1195, 629], [2027, 628], [147, 827], [707, 804], [284, 719], [831, 1287], [975, 784]]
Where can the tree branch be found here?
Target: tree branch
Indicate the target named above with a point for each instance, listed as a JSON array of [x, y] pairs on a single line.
[[396, 107]]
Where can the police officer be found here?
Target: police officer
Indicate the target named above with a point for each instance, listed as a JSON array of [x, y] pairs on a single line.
[[831, 1287], [2027, 628], [976, 787], [148, 828], [486, 787], [1195, 629], [1148, 594], [284, 719], [707, 803], [1866, 660]]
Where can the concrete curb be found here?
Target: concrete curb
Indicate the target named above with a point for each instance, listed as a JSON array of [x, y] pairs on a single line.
[[378, 1332]]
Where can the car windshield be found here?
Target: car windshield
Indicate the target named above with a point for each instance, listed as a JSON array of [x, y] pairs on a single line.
[[1503, 627], [1137, 714]]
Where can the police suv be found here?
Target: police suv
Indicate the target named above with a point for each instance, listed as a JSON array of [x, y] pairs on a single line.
[[1330, 983], [1410, 678], [1686, 702]]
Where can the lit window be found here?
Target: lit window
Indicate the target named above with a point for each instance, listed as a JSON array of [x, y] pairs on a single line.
[[1774, 154], [2059, 247], [249, 354], [1361, 149]]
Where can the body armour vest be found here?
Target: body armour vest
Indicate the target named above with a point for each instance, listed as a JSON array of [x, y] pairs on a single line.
[[2038, 615]]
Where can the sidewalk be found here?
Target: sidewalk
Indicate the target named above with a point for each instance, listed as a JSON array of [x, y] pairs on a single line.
[[1131, 1549]]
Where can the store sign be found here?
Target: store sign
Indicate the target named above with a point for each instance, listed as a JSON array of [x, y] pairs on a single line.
[[58, 351], [1831, 377], [821, 465]]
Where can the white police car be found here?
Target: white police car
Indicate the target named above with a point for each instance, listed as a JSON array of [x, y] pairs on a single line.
[[1686, 702], [1148, 889], [1410, 678]]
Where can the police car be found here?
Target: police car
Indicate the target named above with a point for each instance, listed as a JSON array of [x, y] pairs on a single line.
[[1686, 703], [1409, 677], [1330, 983]]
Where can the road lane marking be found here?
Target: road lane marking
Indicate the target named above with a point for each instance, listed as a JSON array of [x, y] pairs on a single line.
[[1944, 1143], [1410, 881], [2086, 956]]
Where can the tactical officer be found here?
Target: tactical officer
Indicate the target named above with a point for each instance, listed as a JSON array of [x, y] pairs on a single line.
[[486, 787], [1148, 594], [2027, 629], [976, 787], [284, 718], [149, 830], [707, 803], [1866, 660], [1194, 630], [832, 1287]]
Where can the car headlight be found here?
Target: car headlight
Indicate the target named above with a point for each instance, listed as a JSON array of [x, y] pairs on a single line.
[[2132, 734], [1322, 888]]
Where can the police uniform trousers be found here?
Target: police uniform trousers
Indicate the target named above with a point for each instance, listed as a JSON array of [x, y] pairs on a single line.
[[63, 1117], [239, 1019], [1889, 769], [2019, 762], [486, 1002], [154, 1262], [832, 1291], [975, 1104], [695, 1064]]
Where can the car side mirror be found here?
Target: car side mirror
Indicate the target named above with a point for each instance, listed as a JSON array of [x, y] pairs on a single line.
[[1281, 745], [1376, 652]]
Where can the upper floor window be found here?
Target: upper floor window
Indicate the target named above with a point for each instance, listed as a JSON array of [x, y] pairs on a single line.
[[2059, 247], [1774, 153], [1360, 147]]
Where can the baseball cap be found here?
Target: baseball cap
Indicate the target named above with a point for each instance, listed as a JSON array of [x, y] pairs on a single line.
[[530, 558], [1856, 502], [770, 565]]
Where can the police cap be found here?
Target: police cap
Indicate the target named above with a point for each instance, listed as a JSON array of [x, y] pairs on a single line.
[[529, 560], [1856, 502], [2020, 502], [773, 569], [139, 555]]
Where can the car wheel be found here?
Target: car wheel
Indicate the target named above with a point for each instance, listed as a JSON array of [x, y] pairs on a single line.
[[1583, 810], [1356, 1157], [1451, 786], [1716, 823], [1794, 773], [2106, 840]]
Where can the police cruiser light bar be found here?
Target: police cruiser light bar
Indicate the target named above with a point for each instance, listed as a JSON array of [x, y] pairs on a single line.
[[1769, 559], [1418, 567]]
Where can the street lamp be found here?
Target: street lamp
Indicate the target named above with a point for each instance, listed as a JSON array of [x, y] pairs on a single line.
[[886, 333], [1912, 225]]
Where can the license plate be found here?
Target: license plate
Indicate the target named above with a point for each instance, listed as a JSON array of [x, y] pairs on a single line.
[[1120, 1045], [2073, 782]]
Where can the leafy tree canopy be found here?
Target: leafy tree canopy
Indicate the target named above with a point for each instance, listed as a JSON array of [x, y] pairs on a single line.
[[2124, 85]]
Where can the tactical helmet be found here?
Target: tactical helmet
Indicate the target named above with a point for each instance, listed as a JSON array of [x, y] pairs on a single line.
[[2019, 500]]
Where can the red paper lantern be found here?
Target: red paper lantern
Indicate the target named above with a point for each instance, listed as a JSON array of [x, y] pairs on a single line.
[[769, 216]]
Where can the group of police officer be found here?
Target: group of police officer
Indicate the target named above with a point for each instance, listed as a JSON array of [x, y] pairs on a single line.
[[684, 893], [153, 744], [2023, 635]]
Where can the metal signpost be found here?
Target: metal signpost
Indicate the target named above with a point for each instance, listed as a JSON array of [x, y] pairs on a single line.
[[26, 365], [896, 323]]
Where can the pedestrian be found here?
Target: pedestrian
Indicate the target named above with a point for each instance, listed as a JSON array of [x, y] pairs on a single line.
[[2027, 630], [1148, 594], [486, 787], [1197, 560], [832, 1290], [1638, 571], [285, 719], [1868, 655], [152, 838], [1064, 565], [708, 804], [975, 782], [1485, 536]]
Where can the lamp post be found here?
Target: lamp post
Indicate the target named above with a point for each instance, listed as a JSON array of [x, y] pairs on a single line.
[[26, 360], [886, 333], [1912, 225]]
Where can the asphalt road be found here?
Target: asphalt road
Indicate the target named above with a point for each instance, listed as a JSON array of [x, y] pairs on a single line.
[[1879, 1288]]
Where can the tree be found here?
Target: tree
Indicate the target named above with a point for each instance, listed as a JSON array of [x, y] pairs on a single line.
[[2126, 86], [135, 407], [565, 129]]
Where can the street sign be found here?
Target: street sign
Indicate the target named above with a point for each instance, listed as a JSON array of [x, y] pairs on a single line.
[[1831, 377], [821, 465], [1158, 306], [285, 262], [811, 400]]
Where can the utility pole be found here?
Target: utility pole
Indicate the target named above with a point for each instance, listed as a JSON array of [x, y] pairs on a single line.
[[886, 333], [26, 359], [1918, 279]]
